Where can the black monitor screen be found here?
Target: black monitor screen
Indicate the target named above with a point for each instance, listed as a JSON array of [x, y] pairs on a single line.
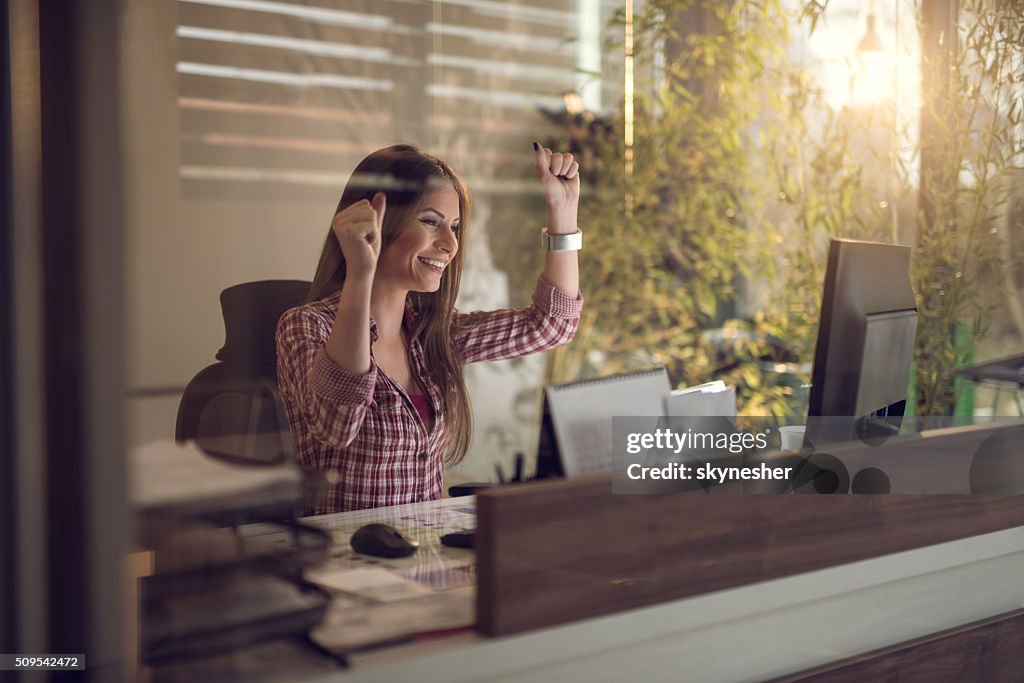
[[866, 333]]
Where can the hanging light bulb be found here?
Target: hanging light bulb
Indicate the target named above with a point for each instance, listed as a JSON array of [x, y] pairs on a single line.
[[870, 42], [870, 83]]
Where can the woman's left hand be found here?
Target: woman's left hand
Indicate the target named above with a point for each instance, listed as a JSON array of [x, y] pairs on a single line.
[[559, 177]]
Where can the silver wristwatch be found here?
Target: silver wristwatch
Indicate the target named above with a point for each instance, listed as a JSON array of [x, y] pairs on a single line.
[[572, 241]]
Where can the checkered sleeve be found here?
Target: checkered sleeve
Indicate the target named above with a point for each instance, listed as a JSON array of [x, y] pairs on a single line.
[[332, 401], [510, 333]]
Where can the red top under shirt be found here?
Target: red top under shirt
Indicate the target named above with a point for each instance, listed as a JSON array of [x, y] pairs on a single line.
[[363, 431], [422, 405]]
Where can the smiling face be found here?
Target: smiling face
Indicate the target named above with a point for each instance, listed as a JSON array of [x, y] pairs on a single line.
[[418, 256]]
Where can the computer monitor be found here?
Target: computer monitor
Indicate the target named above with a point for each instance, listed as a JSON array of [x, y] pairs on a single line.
[[865, 342]]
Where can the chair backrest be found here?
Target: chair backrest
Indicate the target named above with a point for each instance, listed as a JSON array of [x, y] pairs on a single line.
[[232, 408], [232, 411], [251, 311]]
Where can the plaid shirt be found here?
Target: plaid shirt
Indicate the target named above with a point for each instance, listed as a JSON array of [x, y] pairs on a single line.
[[362, 431]]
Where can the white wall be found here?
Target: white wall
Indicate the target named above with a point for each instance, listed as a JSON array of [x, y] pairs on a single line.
[[184, 249]]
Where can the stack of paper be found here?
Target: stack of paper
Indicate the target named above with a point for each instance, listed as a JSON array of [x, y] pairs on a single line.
[[180, 480], [712, 399]]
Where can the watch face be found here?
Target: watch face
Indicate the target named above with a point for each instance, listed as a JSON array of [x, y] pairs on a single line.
[[570, 242]]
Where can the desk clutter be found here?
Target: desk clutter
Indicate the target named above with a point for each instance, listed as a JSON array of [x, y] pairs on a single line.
[[576, 429], [234, 567], [213, 589], [378, 601]]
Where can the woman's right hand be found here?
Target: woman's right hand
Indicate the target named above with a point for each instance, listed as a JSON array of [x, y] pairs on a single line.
[[358, 229]]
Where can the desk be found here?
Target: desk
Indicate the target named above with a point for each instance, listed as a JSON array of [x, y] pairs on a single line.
[[774, 625], [750, 633], [747, 633], [1002, 373]]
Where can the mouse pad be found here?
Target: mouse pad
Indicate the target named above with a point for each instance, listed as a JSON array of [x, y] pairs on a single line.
[[372, 583]]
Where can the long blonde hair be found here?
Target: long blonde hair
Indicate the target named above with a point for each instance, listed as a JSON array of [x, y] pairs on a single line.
[[405, 174]]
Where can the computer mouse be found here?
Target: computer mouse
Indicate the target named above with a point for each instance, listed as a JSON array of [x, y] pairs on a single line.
[[459, 539], [381, 540]]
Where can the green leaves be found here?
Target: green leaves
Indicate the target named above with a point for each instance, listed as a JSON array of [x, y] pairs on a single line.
[[812, 11], [709, 257], [958, 267]]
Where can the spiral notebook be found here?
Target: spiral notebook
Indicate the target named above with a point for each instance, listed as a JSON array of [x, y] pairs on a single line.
[[580, 416]]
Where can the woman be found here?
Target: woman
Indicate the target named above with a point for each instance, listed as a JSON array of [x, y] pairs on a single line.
[[370, 369]]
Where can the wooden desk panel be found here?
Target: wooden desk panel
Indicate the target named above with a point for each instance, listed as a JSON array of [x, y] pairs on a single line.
[[554, 552], [989, 650]]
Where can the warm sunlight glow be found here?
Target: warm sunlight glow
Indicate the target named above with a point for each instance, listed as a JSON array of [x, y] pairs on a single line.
[[862, 79], [873, 79], [890, 77]]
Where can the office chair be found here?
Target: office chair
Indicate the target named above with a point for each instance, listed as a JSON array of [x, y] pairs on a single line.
[[232, 408]]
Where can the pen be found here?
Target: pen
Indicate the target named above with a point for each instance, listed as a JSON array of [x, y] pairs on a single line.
[[501, 475], [519, 467]]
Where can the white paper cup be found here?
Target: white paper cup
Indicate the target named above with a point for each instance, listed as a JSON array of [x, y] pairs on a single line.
[[792, 437]]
